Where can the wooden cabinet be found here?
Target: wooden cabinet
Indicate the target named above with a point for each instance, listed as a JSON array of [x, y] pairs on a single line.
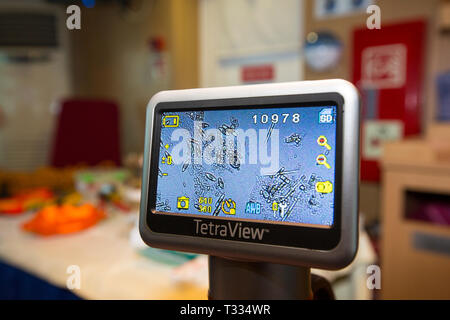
[[415, 255]]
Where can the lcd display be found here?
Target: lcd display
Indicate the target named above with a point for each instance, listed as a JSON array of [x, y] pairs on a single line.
[[266, 164]]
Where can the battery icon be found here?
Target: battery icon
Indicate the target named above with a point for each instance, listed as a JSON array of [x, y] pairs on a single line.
[[171, 121]]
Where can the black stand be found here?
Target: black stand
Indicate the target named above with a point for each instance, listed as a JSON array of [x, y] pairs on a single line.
[[243, 280]]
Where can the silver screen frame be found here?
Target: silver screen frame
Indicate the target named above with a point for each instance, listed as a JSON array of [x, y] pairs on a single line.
[[338, 257]]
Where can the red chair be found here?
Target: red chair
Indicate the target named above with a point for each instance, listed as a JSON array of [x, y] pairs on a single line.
[[87, 132]]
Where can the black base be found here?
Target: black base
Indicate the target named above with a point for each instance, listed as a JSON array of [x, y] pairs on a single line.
[[243, 280]]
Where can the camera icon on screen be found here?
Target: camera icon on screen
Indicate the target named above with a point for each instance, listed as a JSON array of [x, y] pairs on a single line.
[[183, 203]]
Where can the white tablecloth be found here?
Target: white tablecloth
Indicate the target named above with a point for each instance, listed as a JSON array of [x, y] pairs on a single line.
[[110, 267]]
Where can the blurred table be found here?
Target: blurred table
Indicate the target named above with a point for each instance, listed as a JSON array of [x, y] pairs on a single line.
[[110, 267]]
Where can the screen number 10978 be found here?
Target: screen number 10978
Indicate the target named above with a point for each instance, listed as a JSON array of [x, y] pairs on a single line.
[[275, 118]]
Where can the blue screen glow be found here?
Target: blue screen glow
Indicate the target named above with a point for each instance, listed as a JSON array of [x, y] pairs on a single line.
[[273, 165]]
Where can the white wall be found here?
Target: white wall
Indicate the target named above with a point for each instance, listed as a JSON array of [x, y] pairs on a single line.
[[28, 94], [236, 33]]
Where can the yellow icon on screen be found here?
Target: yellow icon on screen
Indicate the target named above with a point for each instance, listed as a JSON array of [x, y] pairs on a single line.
[[183, 203], [323, 142], [167, 160], [275, 206], [324, 187], [229, 207], [171, 121], [322, 160], [204, 205]]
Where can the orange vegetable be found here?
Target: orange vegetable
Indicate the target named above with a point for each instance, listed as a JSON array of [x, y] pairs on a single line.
[[64, 219], [11, 206], [26, 200]]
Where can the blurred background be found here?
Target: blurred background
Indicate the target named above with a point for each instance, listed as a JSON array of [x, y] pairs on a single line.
[[75, 79]]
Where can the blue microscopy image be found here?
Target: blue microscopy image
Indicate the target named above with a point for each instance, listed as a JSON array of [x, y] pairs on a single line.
[[272, 165]]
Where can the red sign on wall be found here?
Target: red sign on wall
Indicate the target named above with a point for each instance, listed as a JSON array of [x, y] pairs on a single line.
[[259, 73], [387, 69]]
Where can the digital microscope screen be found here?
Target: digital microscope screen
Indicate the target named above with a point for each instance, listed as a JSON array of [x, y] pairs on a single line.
[[272, 164]]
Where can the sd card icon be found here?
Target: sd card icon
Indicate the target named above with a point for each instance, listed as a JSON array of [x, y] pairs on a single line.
[[326, 116]]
